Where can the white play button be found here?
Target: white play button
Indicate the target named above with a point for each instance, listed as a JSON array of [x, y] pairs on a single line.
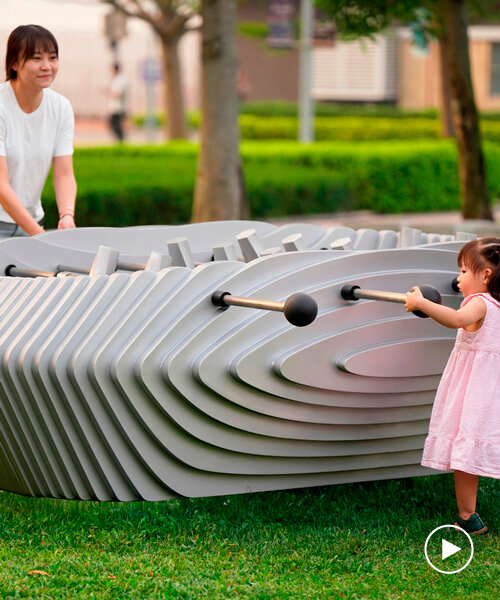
[[437, 547], [448, 549]]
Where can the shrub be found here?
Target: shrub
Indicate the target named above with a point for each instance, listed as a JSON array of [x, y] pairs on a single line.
[[283, 108], [139, 119], [253, 29], [132, 185], [278, 119], [340, 128], [135, 185], [354, 128]]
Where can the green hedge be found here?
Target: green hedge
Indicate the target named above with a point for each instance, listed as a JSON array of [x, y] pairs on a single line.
[[344, 128], [384, 177], [354, 128], [253, 29], [340, 128], [283, 108], [120, 186]]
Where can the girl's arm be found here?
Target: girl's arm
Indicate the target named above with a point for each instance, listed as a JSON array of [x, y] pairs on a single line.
[[65, 189], [12, 205], [470, 317]]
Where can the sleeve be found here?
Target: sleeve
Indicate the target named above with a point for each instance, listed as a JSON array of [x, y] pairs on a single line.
[[66, 130], [2, 137]]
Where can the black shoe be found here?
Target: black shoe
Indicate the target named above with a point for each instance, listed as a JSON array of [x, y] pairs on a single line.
[[473, 525]]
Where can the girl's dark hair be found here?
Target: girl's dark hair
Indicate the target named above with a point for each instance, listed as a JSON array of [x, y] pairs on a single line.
[[483, 254], [23, 42]]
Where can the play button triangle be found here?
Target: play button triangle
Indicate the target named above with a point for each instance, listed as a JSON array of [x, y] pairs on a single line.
[[448, 549]]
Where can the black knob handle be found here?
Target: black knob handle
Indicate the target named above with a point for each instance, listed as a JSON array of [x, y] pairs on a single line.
[[300, 309], [430, 293]]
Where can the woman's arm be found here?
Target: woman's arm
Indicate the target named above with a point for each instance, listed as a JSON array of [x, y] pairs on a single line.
[[65, 189], [12, 205], [469, 317]]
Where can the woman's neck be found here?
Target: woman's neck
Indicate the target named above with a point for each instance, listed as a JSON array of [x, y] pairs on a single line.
[[28, 99]]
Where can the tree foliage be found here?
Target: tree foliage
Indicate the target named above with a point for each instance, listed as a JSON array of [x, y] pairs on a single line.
[[359, 18]]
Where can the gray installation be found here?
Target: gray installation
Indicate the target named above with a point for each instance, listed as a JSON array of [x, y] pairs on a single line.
[[124, 378]]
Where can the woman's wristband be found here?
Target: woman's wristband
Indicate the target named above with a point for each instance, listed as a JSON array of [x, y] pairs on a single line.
[[66, 215]]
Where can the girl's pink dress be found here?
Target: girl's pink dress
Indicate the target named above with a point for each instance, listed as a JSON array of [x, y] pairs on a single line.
[[464, 431]]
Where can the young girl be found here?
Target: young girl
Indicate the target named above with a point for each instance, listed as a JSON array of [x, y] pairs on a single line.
[[464, 431], [36, 130]]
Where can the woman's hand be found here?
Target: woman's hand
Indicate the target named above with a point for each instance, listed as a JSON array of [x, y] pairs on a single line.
[[66, 222], [413, 299]]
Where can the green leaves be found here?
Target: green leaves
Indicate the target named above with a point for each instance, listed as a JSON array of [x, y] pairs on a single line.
[[359, 18]]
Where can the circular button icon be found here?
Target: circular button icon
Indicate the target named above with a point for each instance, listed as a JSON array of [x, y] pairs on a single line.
[[452, 547]]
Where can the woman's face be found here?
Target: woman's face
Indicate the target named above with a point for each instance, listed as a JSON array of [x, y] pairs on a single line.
[[39, 70]]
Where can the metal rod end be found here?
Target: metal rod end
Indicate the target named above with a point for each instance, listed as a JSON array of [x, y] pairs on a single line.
[[347, 292], [218, 298], [8, 270]]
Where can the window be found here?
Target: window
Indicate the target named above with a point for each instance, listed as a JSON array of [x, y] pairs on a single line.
[[495, 69]]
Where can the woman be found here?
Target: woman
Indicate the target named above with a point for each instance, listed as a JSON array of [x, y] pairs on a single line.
[[36, 130]]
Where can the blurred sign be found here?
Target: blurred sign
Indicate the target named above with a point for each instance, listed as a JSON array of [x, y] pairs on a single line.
[[281, 22], [324, 28], [151, 69], [115, 26]]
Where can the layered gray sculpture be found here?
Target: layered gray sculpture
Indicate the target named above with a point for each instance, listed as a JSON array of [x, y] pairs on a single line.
[[134, 386]]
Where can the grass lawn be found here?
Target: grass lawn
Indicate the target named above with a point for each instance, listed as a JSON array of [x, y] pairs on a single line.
[[347, 541]]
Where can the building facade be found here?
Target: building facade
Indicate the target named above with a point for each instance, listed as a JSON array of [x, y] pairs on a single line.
[[392, 69], [388, 69]]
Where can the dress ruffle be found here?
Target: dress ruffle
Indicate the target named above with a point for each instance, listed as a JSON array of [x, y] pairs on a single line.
[[471, 456]]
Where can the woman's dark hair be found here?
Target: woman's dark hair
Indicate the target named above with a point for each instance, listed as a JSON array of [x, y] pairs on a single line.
[[23, 42], [483, 254]]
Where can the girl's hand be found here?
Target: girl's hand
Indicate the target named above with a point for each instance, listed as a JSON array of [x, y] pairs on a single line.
[[413, 299], [66, 222]]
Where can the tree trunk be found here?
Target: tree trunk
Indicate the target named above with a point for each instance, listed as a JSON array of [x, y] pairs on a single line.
[[219, 191], [475, 198], [447, 130], [175, 124]]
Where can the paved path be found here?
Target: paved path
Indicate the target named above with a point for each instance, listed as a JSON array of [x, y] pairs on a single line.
[[96, 132], [440, 222]]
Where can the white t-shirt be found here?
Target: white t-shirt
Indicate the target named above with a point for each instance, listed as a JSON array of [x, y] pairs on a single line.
[[31, 141], [117, 94]]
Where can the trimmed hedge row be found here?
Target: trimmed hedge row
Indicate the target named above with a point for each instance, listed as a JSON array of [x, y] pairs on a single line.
[[354, 128], [347, 128], [340, 128], [119, 186], [283, 108]]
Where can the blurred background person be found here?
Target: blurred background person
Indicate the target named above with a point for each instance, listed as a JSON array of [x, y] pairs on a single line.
[[117, 102]]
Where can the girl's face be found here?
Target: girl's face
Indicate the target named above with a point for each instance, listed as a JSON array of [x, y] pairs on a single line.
[[473, 283], [38, 71]]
